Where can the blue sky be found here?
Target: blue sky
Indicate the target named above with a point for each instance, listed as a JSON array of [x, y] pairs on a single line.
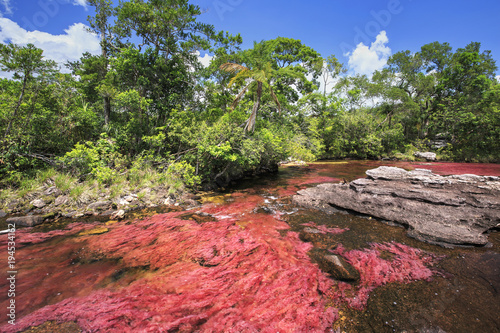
[[330, 27]]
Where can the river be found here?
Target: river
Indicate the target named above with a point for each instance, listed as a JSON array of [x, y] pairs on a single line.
[[241, 262]]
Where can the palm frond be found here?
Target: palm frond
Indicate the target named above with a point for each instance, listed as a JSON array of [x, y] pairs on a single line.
[[244, 74], [232, 68]]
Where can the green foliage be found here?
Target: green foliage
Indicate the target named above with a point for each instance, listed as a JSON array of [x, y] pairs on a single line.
[[100, 159], [166, 121], [184, 171]]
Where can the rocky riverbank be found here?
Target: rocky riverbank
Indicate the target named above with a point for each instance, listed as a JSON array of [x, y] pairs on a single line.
[[451, 210], [49, 203]]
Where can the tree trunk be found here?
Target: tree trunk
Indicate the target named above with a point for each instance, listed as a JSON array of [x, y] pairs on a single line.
[[251, 121], [104, 53]]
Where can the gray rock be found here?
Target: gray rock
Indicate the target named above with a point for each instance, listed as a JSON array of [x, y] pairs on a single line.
[[2, 214], [26, 221], [53, 190], [453, 210], [130, 198], [62, 200], [38, 203], [99, 205], [428, 155]]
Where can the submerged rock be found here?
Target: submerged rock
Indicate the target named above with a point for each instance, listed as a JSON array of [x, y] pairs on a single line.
[[441, 210], [26, 221], [334, 265]]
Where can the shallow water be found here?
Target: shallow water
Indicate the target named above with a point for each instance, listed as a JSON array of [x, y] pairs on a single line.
[[246, 268]]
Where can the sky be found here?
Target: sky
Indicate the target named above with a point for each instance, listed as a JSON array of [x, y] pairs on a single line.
[[362, 34]]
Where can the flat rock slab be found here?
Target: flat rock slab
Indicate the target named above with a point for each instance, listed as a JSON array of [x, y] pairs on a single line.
[[442, 210]]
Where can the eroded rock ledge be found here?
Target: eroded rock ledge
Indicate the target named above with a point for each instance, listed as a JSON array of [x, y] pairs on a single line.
[[456, 210]]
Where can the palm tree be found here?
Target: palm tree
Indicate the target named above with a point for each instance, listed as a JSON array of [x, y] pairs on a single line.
[[260, 75]]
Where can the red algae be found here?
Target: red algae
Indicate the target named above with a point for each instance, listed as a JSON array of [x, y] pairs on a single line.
[[213, 277], [407, 265], [26, 236], [446, 168]]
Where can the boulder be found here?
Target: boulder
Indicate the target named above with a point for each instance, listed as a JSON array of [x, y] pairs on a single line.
[[26, 221], [427, 156], [38, 203], [334, 265], [456, 210]]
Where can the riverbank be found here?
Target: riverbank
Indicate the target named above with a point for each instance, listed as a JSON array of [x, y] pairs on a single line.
[[53, 195]]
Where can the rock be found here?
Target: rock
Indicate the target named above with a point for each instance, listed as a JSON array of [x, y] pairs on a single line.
[[99, 205], [130, 198], [334, 265], [428, 155], [441, 210], [2, 214], [53, 190], [70, 214], [123, 202], [169, 201], [13, 204], [26, 221], [38, 203], [118, 215], [62, 200]]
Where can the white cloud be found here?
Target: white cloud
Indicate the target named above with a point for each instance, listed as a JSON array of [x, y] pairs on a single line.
[[498, 78], [205, 60], [7, 8], [80, 3], [366, 60], [68, 46]]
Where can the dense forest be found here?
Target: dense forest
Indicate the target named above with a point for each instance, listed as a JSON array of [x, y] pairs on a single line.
[[146, 107]]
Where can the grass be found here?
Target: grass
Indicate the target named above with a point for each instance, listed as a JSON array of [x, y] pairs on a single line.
[[134, 180]]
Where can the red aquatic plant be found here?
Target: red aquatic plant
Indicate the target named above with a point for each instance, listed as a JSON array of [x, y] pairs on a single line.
[[406, 265], [222, 276]]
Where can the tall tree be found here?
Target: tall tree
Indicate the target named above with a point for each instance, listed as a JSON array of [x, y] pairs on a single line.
[[26, 62], [281, 65], [100, 25]]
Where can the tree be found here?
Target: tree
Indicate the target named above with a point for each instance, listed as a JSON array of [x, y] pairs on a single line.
[[332, 69], [281, 63], [26, 62], [100, 25]]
